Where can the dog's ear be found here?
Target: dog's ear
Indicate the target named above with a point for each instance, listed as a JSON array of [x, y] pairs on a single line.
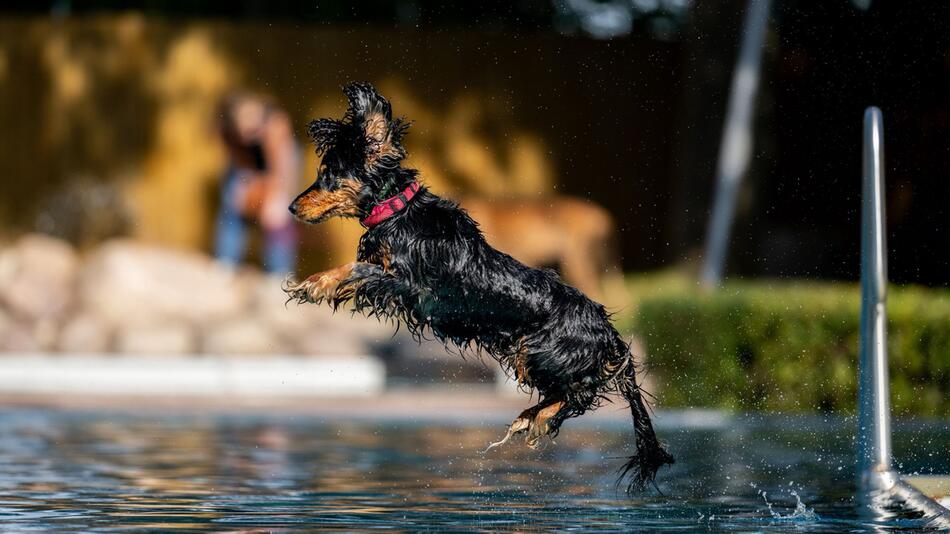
[[373, 114], [325, 133]]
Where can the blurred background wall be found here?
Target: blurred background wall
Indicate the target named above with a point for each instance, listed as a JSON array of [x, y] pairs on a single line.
[[618, 102], [129, 100]]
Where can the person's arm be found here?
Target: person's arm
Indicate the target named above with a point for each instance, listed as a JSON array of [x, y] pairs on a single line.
[[277, 141]]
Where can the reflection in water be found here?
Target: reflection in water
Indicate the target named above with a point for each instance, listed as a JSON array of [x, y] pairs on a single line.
[[95, 470]]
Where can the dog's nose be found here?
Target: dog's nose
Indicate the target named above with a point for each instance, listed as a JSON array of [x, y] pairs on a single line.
[[293, 208]]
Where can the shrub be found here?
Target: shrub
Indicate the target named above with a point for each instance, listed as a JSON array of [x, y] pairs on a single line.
[[788, 346]]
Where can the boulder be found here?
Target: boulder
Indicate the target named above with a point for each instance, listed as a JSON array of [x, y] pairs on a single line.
[[29, 336], [84, 333], [312, 329], [6, 324], [368, 329], [241, 336], [287, 319], [158, 339], [129, 283], [37, 277], [328, 342]]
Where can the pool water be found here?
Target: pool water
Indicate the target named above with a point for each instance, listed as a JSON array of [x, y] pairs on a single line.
[[100, 470]]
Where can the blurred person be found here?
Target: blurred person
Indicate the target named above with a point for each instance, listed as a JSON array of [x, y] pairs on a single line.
[[263, 166]]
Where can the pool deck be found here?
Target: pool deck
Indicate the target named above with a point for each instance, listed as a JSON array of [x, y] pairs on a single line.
[[190, 376], [937, 487], [333, 386], [344, 387], [462, 399]]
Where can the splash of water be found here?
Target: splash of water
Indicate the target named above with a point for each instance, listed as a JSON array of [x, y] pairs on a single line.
[[801, 512]]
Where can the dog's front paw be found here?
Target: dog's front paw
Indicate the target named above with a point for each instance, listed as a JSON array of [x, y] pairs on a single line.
[[315, 289]]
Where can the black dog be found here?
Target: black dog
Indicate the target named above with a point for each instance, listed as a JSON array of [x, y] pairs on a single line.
[[424, 262]]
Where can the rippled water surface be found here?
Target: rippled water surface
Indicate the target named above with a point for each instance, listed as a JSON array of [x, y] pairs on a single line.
[[96, 471]]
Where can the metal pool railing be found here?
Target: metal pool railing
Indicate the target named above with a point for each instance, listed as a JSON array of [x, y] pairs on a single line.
[[735, 152], [879, 482]]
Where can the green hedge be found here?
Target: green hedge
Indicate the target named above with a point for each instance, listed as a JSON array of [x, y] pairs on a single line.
[[787, 346]]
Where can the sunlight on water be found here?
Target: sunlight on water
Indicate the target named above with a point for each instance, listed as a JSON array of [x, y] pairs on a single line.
[[93, 470]]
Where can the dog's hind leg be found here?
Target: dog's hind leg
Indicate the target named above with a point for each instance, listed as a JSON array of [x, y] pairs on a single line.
[[540, 424], [535, 421]]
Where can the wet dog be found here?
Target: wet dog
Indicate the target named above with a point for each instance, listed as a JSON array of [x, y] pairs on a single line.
[[424, 262]]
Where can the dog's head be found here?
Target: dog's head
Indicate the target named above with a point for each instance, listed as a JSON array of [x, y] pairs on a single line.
[[361, 159]]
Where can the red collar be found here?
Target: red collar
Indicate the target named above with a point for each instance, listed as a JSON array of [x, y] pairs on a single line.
[[390, 206]]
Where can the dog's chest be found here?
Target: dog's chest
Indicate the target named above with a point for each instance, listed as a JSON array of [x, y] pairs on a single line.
[[377, 253]]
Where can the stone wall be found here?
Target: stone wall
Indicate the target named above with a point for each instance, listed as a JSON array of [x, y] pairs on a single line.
[[129, 297]]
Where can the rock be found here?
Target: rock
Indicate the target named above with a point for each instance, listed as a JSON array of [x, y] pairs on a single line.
[[343, 334], [160, 339], [129, 283], [37, 276], [84, 333], [25, 336], [288, 320], [6, 325], [369, 329], [241, 336], [315, 330], [328, 342], [19, 338]]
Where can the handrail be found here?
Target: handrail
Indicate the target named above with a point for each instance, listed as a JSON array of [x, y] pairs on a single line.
[[874, 440], [876, 477], [735, 152]]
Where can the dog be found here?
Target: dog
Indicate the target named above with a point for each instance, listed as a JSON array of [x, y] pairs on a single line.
[[423, 262]]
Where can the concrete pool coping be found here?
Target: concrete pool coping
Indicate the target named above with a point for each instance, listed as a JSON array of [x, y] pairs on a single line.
[[937, 487], [190, 376], [334, 387], [331, 387]]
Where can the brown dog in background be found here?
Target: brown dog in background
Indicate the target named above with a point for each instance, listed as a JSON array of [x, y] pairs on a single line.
[[575, 236]]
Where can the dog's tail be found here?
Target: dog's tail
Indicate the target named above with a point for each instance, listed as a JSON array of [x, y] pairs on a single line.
[[641, 468]]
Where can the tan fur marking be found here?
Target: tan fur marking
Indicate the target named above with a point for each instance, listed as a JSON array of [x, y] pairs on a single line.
[[548, 412], [533, 421], [521, 366], [382, 257], [330, 279], [323, 285], [316, 206], [376, 129], [538, 427]]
